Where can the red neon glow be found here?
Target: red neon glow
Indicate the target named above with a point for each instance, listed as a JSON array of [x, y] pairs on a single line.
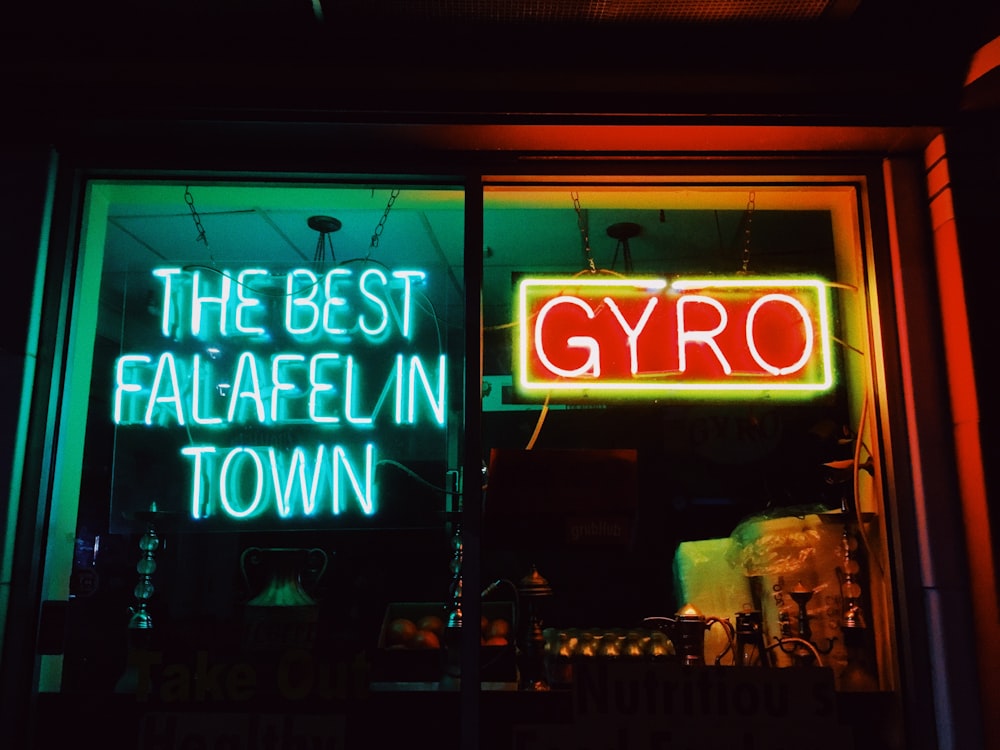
[[648, 336]]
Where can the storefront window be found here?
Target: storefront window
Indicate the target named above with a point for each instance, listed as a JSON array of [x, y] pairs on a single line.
[[261, 500], [264, 446], [677, 415]]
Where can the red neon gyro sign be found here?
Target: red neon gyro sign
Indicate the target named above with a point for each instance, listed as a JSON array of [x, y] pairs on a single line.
[[636, 338]]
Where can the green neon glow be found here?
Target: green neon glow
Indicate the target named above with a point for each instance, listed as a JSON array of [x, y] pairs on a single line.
[[333, 304], [246, 370], [197, 389], [228, 482], [296, 470], [248, 304], [151, 393], [299, 301], [304, 484], [435, 401], [167, 274], [284, 377], [407, 277], [399, 391], [377, 329], [587, 376], [319, 387], [364, 494], [197, 452], [199, 300], [279, 386], [349, 397], [165, 363], [124, 385], [336, 304]]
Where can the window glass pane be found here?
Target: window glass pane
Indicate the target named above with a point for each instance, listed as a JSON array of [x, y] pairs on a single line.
[[273, 431], [656, 439]]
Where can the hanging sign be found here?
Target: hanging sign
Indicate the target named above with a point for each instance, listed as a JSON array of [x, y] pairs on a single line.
[[269, 397], [635, 338]]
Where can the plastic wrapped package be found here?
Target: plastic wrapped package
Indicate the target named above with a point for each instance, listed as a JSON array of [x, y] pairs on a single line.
[[705, 577], [795, 551]]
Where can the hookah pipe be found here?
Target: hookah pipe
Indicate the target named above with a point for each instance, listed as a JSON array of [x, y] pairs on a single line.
[[802, 646]]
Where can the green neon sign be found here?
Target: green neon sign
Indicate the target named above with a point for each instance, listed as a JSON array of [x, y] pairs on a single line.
[[270, 397]]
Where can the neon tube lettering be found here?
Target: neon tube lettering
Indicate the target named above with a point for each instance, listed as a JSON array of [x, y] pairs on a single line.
[[592, 365], [373, 329], [127, 364], [349, 396], [243, 491], [167, 274], [319, 386], [363, 494], [807, 346], [196, 392], [398, 375], [407, 277], [330, 284], [199, 300], [296, 470], [281, 386], [297, 305], [246, 369], [165, 362], [632, 334], [436, 404], [247, 304], [684, 337], [197, 499], [231, 484]]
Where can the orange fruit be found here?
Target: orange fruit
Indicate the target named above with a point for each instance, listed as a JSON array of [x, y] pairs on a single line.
[[425, 639], [432, 623], [400, 631], [498, 628]]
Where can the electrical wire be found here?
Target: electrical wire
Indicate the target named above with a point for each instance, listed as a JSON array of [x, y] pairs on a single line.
[[801, 641], [539, 423], [411, 473]]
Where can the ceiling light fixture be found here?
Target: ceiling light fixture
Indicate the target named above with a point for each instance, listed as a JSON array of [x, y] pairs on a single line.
[[325, 225], [623, 231]]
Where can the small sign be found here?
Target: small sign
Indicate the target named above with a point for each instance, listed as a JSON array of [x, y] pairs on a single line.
[[182, 731], [622, 705]]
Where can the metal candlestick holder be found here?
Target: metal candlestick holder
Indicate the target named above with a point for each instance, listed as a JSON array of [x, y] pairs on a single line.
[[686, 631], [532, 590], [454, 619], [453, 607], [749, 633], [149, 543], [281, 612], [801, 646]]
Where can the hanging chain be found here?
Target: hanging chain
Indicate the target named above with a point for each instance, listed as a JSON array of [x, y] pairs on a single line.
[[751, 204], [319, 257], [196, 217], [582, 224], [380, 227]]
